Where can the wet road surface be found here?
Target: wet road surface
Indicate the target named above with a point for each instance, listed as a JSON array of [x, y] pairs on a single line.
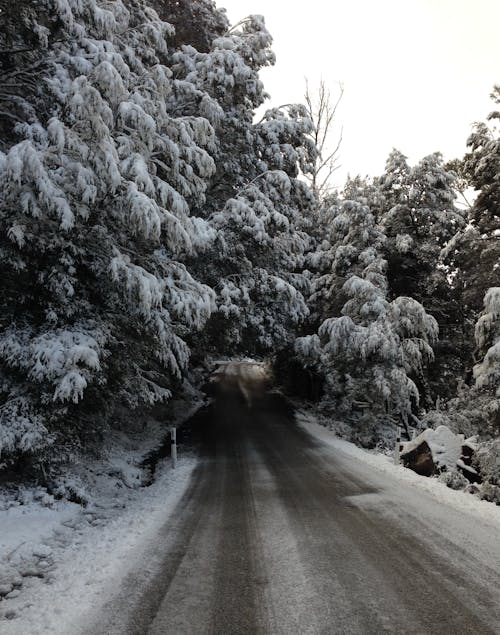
[[278, 533]]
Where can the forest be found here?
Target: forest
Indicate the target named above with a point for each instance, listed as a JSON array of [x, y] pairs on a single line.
[[150, 222]]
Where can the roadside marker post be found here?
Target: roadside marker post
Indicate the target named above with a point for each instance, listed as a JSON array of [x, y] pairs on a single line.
[[173, 446], [397, 447]]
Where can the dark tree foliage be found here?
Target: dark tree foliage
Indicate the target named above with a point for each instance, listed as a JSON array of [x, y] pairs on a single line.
[[482, 165], [24, 34], [474, 252], [197, 22]]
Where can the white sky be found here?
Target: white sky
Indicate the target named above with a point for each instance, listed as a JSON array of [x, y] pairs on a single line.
[[416, 73]]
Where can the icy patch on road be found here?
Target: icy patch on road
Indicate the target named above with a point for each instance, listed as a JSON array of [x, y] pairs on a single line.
[[461, 501], [364, 501]]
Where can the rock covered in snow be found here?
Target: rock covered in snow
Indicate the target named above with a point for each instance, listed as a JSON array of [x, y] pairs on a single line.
[[440, 450], [419, 457]]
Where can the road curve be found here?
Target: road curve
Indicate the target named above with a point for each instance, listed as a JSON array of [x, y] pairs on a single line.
[[278, 533]]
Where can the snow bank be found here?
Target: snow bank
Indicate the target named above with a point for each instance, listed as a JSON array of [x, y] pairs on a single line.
[[460, 501], [85, 552]]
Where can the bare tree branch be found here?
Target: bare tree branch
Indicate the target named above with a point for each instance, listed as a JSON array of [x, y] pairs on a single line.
[[322, 111]]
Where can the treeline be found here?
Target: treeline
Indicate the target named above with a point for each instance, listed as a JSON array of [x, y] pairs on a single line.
[[147, 221], [404, 300]]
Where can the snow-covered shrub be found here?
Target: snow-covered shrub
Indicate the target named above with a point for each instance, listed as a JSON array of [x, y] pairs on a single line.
[[490, 493], [22, 428], [488, 461], [71, 488], [454, 480], [460, 419], [435, 418], [28, 495]]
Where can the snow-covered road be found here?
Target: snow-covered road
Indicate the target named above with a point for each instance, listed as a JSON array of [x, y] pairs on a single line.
[[278, 527], [280, 533]]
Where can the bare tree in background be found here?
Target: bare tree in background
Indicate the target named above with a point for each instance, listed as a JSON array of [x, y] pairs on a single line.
[[322, 109]]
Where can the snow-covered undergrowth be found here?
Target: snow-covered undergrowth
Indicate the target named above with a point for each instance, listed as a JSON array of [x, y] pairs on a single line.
[[59, 559], [468, 414], [363, 428], [320, 428], [44, 528]]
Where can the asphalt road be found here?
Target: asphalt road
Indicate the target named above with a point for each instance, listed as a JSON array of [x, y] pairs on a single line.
[[278, 533]]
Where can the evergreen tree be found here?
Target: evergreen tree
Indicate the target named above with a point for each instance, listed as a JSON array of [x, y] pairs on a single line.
[[472, 255], [474, 252], [25, 31], [482, 164], [487, 335], [255, 200], [415, 205], [475, 410], [417, 211], [196, 22], [95, 225], [350, 238], [372, 347]]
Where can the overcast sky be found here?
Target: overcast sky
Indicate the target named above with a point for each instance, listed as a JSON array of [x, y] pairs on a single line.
[[416, 73]]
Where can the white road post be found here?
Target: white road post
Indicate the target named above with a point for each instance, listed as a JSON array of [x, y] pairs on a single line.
[[173, 446], [397, 447]]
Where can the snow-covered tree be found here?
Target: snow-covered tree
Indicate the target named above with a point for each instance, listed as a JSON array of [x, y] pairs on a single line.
[[487, 335], [24, 35], [259, 289], [482, 164], [144, 214], [96, 226], [351, 241], [196, 22], [255, 200], [417, 211], [473, 253], [228, 73], [369, 348], [475, 410], [415, 206]]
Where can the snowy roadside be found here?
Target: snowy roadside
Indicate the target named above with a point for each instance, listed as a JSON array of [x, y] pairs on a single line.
[[87, 559], [459, 500], [41, 528]]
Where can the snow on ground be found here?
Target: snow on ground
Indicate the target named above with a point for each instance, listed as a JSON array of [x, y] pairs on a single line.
[[61, 562], [57, 558], [41, 538], [89, 551], [459, 500], [27, 528], [31, 523]]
